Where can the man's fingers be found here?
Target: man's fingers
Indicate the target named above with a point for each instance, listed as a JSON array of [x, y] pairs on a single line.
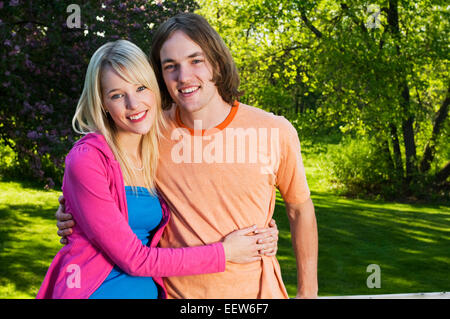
[[64, 232], [61, 200], [62, 216], [63, 241], [66, 224]]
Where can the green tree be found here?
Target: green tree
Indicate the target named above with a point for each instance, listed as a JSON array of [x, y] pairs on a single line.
[[377, 69]]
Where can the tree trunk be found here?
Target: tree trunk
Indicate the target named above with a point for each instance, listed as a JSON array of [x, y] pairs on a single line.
[[387, 154], [430, 148], [407, 124], [443, 173], [408, 136], [397, 151]]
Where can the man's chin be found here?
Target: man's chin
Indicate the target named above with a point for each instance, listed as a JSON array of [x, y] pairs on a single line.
[[189, 107]]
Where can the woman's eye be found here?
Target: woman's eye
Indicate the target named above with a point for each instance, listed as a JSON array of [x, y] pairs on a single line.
[[197, 61], [116, 96], [141, 88]]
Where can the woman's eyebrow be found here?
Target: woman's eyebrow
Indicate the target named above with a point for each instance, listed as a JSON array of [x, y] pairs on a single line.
[[112, 90]]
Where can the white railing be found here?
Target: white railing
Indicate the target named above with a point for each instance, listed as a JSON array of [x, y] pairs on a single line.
[[427, 295]]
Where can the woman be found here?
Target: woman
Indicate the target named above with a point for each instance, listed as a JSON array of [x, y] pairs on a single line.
[[109, 189]]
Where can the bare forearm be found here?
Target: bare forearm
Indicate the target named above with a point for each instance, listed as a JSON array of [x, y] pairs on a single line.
[[305, 243]]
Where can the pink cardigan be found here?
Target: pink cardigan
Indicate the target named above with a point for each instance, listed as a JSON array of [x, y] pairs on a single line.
[[95, 195]]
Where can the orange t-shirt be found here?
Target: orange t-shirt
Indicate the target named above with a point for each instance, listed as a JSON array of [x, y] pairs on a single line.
[[225, 179]]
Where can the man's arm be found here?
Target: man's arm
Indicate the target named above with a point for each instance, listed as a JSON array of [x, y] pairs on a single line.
[[303, 226]]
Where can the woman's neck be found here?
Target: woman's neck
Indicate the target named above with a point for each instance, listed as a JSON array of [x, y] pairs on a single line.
[[129, 144]]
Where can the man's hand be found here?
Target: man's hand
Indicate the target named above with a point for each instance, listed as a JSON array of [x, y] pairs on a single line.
[[65, 221]]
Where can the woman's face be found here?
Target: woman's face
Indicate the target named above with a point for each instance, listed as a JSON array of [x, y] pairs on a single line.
[[132, 107]]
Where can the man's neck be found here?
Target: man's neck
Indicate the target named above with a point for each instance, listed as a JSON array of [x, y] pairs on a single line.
[[210, 116]]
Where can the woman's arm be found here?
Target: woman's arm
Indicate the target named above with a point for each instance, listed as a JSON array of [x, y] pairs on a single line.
[[87, 193]]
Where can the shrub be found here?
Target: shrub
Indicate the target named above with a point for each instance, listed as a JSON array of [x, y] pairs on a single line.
[[358, 167], [43, 66]]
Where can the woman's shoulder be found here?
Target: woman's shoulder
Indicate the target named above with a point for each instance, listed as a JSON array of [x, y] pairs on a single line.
[[90, 148]]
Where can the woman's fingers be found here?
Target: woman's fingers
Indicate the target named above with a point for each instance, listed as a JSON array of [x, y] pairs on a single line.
[[246, 231]]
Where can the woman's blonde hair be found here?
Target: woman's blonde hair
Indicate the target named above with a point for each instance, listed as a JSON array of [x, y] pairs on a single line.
[[131, 63]]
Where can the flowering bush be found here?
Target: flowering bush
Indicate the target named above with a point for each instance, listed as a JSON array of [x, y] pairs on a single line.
[[43, 63]]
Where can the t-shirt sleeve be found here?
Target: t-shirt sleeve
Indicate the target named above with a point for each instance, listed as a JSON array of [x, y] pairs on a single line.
[[291, 177]]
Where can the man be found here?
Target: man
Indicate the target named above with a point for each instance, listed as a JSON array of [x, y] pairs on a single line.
[[221, 162]]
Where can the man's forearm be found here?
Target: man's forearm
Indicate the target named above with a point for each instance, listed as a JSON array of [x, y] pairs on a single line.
[[303, 225]]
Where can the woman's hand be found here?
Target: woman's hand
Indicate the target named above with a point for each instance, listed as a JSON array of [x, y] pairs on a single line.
[[245, 245], [270, 240]]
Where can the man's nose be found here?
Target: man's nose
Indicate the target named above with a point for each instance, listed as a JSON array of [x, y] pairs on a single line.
[[184, 74]]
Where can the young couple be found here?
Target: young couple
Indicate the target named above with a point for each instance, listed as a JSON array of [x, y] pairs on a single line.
[[147, 223]]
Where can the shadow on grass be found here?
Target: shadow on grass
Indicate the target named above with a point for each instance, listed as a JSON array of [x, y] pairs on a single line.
[[26, 184], [409, 243], [28, 244]]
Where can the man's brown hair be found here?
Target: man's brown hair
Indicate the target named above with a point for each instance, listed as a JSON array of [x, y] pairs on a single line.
[[225, 74]]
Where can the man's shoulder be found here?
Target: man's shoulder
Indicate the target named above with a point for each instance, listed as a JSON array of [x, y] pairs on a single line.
[[253, 114]]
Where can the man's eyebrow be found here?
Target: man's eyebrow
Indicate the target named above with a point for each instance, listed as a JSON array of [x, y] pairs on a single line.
[[167, 61], [193, 55]]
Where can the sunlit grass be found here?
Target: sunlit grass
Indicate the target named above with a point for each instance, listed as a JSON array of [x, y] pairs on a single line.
[[28, 240], [409, 242]]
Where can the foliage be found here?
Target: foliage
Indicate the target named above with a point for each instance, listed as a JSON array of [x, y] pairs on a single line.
[[42, 68], [375, 69], [358, 166]]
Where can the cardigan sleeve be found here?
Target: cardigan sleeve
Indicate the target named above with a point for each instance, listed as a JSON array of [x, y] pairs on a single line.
[[89, 198]]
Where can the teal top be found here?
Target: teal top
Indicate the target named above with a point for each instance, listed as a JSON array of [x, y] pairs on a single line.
[[144, 215]]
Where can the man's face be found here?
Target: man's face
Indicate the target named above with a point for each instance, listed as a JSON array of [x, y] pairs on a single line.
[[187, 73]]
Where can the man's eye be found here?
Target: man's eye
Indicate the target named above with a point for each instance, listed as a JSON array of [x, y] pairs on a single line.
[[169, 67]]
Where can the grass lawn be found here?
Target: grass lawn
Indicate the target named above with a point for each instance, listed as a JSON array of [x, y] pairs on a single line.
[[28, 239], [410, 243]]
